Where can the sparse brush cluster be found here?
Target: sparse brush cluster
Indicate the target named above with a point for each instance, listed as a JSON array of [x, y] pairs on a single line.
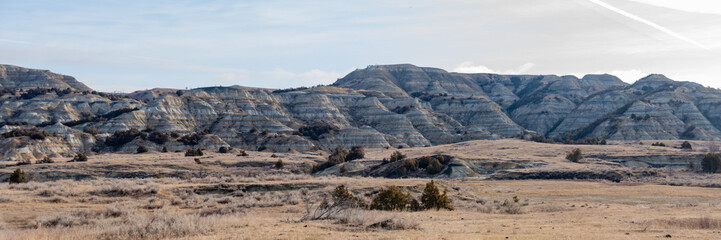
[[33, 133], [194, 152], [575, 156], [388, 199], [585, 141], [340, 155], [432, 164]]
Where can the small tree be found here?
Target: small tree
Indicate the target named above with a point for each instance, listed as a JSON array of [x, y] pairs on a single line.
[[432, 198], [279, 164], [575, 155], [390, 199], [434, 166], [338, 156], [356, 152], [165, 149], [686, 145], [18, 176], [711, 163], [397, 156], [142, 149]]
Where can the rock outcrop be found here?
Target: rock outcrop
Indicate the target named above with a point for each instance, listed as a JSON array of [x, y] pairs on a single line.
[[379, 107]]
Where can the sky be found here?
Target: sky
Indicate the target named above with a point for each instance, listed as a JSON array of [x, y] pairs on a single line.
[[123, 46]]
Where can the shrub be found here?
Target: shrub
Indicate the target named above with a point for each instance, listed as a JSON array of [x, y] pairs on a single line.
[[356, 152], [165, 149], [191, 139], [193, 152], [18, 176], [225, 149], [434, 166], [46, 159], [338, 156], [686, 145], [711, 163], [120, 138], [575, 155], [397, 156], [142, 149], [273, 155], [24, 162], [658, 144], [315, 131], [242, 153], [410, 164], [279, 164], [80, 158], [158, 137], [343, 197], [91, 130], [391, 199], [432, 198], [197, 160], [32, 133]]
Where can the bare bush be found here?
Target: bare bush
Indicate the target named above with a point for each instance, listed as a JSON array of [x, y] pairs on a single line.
[[375, 219], [692, 223]]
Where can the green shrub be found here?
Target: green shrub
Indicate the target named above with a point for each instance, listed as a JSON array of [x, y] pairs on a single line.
[[165, 149], [279, 164], [142, 149], [711, 163], [18, 176], [432, 198], [341, 196], [391, 199], [575, 155], [397, 156], [356, 152]]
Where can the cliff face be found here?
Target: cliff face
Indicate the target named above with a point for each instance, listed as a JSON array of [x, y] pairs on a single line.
[[380, 106], [25, 78]]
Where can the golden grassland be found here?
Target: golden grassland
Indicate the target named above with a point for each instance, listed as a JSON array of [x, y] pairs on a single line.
[[167, 195]]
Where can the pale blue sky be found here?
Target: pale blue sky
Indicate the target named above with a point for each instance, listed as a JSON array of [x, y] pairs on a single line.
[[135, 45]]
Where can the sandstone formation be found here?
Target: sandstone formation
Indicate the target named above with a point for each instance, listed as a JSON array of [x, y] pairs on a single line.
[[379, 106]]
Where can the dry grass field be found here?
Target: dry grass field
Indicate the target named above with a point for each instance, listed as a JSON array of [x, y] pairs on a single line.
[[225, 196]]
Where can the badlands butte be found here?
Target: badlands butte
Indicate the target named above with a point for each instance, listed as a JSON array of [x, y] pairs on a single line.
[[383, 106]]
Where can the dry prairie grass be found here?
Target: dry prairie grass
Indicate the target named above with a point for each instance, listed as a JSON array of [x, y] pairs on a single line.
[[159, 196]]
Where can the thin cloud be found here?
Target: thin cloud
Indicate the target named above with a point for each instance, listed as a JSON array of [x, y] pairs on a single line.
[[649, 23], [14, 41], [470, 67]]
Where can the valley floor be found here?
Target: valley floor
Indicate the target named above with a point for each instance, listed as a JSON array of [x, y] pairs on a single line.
[[224, 196]]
